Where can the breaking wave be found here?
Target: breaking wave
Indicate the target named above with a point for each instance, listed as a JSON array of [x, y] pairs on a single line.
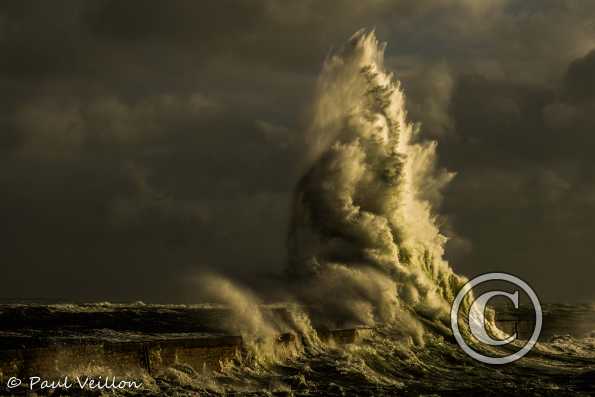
[[364, 245], [364, 250], [363, 227]]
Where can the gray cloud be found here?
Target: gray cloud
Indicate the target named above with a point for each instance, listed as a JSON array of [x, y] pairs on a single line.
[[144, 140]]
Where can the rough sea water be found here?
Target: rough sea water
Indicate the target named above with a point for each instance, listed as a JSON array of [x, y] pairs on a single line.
[[384, 361], [365, 252]]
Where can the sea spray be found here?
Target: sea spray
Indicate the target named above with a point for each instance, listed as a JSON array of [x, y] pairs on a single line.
[[246, 317], [364, 243], [363, 228]]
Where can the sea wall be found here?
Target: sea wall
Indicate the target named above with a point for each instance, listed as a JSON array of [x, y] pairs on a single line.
[[91, 356]]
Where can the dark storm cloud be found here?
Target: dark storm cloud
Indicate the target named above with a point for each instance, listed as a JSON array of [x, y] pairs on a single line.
[[146, 139], [524, 193], [580, 80]]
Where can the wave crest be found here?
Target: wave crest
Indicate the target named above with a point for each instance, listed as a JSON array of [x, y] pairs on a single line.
[[363, 228]]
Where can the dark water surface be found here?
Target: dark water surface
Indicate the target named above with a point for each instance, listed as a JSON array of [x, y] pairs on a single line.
[[385, 362]]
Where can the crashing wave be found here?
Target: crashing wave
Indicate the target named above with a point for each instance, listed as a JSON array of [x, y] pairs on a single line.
[[364, 237]]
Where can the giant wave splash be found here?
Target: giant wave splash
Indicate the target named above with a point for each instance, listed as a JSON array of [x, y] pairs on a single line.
[[363, 228], [365, 249]]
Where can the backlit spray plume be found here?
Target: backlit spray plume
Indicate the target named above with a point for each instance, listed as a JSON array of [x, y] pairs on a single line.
[[363, 233]]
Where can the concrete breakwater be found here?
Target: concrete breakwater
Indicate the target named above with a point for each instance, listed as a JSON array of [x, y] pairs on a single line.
[[128, 341], [85, 355]]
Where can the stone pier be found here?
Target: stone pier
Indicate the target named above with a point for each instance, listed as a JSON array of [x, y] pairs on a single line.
[[128, 341]]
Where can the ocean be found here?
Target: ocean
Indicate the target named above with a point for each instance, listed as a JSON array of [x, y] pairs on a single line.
[[131, 341]]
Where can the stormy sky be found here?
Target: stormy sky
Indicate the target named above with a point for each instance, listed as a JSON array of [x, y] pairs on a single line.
[[143, 141]]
